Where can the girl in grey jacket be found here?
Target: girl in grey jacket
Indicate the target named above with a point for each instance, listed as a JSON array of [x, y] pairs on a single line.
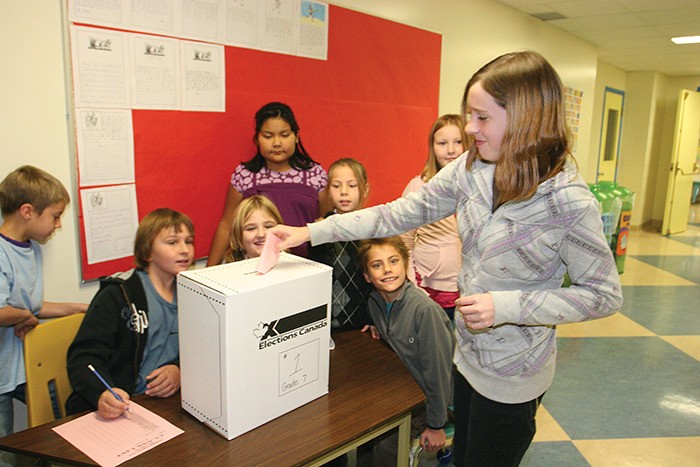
[[525, 218]]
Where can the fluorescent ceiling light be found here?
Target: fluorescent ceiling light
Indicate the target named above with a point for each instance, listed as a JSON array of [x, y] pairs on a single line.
[[686, 40]]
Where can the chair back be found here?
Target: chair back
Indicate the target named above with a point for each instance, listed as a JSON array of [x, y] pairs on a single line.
[[45, 354]]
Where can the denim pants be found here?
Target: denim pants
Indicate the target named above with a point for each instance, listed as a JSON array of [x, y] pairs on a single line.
[[7, 414], [7, 418], [490, 433]]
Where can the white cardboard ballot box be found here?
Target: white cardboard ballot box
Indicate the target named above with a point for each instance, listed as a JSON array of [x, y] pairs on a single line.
[[253, 347]]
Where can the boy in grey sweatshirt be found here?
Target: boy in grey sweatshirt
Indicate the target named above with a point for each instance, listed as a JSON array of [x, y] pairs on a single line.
[[414, 326]]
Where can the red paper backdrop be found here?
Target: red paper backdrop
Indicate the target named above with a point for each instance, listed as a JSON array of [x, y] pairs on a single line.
[[374, 99]]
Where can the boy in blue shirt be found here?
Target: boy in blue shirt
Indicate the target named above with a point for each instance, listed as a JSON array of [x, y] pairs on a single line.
[[32, 202]]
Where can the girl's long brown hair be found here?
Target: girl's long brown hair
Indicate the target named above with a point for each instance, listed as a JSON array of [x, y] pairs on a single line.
[[535, 145]]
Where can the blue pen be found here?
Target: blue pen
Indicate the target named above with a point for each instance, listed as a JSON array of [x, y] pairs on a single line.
[[107, 386]]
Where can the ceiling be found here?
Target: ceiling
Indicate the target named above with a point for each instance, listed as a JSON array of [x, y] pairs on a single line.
[[634, 35]]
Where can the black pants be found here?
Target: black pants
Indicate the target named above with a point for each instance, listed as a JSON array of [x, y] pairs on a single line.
[[490, 433]]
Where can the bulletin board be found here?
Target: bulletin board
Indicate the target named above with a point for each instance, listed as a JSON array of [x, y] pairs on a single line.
[[373, 99]]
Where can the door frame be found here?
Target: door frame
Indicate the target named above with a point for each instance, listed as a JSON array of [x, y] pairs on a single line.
[[679, 188], [604, 131]]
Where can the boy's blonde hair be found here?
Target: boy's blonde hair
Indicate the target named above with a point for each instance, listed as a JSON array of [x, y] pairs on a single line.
[[366, 246], [149, 228], [235, 251], [358, 170], [30, 185]]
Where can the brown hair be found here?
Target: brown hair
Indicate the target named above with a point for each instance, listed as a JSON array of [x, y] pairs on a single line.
[[535, 145], [29, 184], [149, 228], [235, 251], [431, 165], [366, 246], [358, 170]]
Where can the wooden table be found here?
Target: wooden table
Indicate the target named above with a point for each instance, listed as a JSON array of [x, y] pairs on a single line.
[[370, 393]]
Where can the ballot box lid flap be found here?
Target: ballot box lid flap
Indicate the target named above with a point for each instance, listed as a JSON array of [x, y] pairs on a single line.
[[242, 276]]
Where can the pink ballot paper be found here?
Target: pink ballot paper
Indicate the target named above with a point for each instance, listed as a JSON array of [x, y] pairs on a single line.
[[111, 442], [269, 256]]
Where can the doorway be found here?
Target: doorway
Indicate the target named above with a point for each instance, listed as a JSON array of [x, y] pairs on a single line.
[[611, 129], [684, 163]]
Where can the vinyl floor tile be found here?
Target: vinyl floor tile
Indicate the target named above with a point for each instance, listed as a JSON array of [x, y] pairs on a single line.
[[553, 454], [547, 427], [688, 344], [617, 325], [648, 243], [640, 273], [692, 241], [664, 310], [624, 388], [651, 452], [687, 267]]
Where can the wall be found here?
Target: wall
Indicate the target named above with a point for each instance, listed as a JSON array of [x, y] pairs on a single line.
[[670, 89], [34, 124], [635, 148], [609, 76], [661, 153], [476, 31], [651, 100]]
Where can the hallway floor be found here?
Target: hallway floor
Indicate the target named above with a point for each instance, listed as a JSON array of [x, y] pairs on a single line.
[[627, 387]]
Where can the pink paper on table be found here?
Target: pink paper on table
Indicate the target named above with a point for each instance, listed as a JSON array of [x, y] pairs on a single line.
[[270, 255], [111, 442]]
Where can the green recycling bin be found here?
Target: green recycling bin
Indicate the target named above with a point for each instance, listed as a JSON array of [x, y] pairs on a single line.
[[615, 203], [620, 238], [610, 206]]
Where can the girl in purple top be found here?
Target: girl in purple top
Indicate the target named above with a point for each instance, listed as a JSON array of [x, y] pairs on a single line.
[[282, 170]]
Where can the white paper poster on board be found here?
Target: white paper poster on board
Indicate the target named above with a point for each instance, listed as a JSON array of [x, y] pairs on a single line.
[[203, 77], [105, 146], [110, 219], [149, 16], [112, 13], [202, 19], [312, 38], [158, 16], [100, 67], [155, 80], [279, 26], [242, 26]]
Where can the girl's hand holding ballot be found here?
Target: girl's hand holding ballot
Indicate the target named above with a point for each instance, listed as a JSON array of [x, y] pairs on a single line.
[[291, 236]]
